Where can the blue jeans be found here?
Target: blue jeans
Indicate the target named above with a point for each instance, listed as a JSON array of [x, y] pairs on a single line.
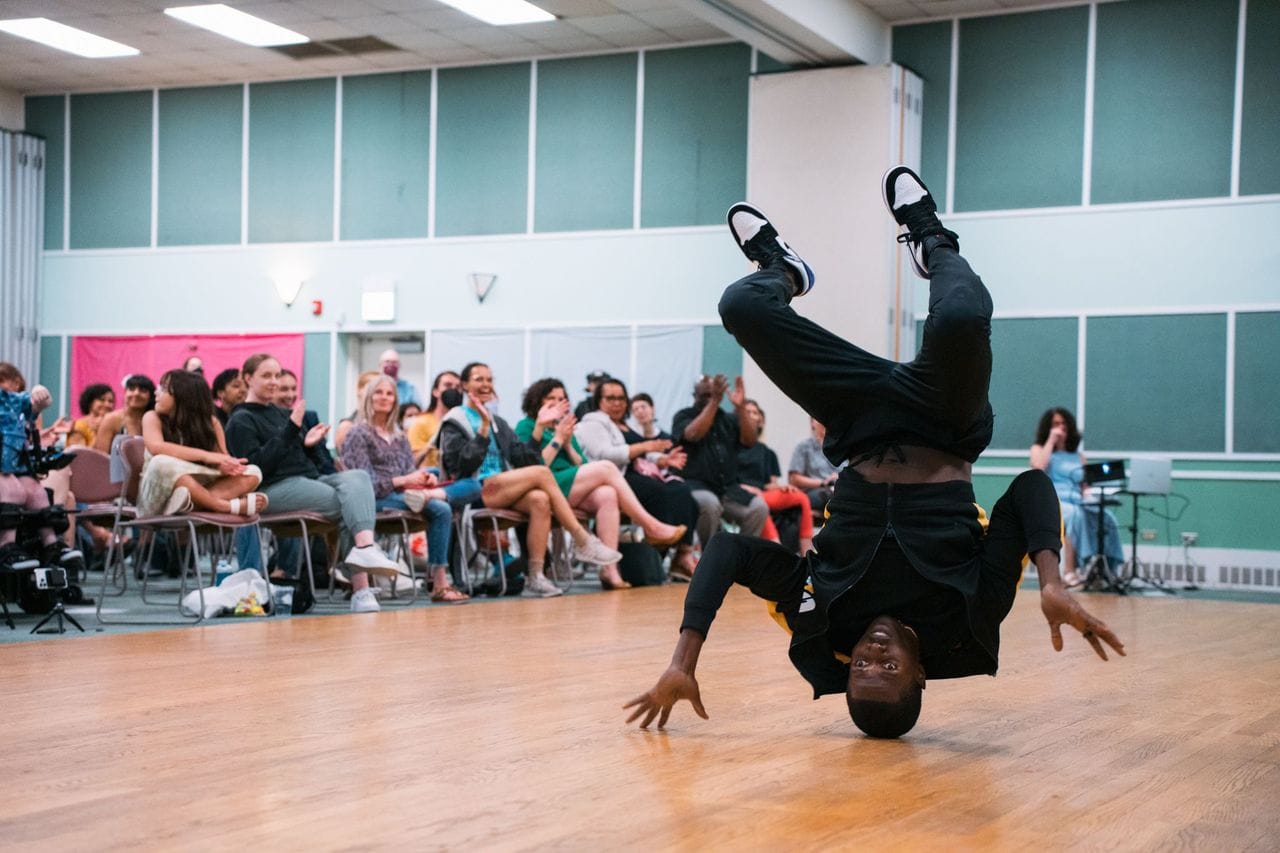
[[462, 492], [439, 518]]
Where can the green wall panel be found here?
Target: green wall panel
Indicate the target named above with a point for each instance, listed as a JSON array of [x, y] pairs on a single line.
[[1163, 99], [386, 136], [482, 150], [315, 370], [766, 64], [199, 165], [926, 50], [1033, 369], [51, 371], [695, 134], [1020, 110], [47, 116], [1260, 127], [1156, 383], [1257, 397], [720, 354], [110, 170], [586, 143], [291, 160]]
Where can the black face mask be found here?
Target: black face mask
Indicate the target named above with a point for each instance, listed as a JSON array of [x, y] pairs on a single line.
[[451, 398]]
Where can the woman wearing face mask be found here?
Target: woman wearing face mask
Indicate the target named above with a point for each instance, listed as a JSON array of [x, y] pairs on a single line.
[[477, 444], [427, 424]]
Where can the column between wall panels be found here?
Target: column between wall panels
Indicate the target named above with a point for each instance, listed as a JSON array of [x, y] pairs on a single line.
[[533, 146], [1091, 55], [1081, 362], [337, 159], [333, 377], [526, 376], [953, 98], [1237, 114], [244, 168], [155, 165], [63, 372], [1230, 382], [633, 356], [638, 168], [431, 158]]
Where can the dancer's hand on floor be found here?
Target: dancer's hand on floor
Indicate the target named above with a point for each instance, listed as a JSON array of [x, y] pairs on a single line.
[[1061, 608], [674, 685]]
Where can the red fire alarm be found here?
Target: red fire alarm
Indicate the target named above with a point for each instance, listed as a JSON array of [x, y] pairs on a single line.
[[317, 307]]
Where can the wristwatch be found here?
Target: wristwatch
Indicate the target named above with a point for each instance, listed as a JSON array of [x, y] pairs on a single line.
[[554, 445]]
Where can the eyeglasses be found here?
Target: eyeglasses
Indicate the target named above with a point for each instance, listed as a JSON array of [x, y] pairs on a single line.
[[613, 398]]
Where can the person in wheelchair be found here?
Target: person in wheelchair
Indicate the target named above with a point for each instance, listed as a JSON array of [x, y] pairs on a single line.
[[24, 504]]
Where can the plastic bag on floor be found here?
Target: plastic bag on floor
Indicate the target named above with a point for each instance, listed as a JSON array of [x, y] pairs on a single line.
[[223, 597]]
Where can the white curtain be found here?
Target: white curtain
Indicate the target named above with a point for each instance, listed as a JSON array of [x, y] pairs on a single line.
[[21, 237]]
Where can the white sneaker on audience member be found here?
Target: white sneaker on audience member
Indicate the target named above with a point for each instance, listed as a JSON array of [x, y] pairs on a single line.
[[415, 499], [371, 559], [365, 601], [540, 586], [596, 552]]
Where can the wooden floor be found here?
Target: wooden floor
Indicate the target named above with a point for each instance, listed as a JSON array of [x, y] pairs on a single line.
[[499, 726]]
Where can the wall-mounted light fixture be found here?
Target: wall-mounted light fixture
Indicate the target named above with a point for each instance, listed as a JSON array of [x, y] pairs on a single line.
[[287, 288], [482, 283]]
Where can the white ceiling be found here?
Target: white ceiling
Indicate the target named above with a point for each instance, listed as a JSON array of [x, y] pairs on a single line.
[[427, 32]]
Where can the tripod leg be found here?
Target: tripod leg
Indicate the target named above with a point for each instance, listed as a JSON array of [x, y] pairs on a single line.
[[8, 619], [72, 620]]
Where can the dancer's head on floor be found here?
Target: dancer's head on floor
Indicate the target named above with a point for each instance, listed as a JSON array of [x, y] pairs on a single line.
[[885, 679]]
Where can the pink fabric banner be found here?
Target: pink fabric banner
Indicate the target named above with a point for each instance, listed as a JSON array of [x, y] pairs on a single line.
[[110, 359]]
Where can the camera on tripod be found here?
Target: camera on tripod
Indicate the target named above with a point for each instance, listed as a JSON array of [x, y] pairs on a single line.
[[50, 578]]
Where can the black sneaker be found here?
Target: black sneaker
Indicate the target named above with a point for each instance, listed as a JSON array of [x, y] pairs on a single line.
[[13, 558], [760, 242], [60, 555], [912, 207]]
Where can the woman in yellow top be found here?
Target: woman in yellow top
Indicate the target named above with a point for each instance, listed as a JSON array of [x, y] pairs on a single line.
[[96, 401], [425, 426]]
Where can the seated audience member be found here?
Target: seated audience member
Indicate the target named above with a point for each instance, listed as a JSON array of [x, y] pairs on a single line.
[[377, 445], [271, 438], [426, 425], [345, 425], [96, 402], [1057, 452], [194, 364], [478, 445], [596, 487], [286, 396], [812, 472], [643, 413], [594, 378], [389, 363], [229, 391], [758, 472], [604, 434], [710, 438], [187, 461], [407, 414], [139, 398], [19, 489]]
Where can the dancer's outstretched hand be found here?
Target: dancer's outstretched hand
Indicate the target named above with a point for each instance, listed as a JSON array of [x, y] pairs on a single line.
[[1061, 608], [674, 685]]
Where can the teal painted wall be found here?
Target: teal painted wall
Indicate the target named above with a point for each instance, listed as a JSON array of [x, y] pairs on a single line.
[[1260, 124], [47, 117], [199, 166], [926, 50], [386, 135], [291, 161], [111, 176], [482, 150]]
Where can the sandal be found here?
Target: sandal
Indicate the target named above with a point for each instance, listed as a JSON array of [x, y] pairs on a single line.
[[251, 504], [449, 595], [179, 502]]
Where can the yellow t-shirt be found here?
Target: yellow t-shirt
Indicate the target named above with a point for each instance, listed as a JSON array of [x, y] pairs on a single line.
[[420, 433]]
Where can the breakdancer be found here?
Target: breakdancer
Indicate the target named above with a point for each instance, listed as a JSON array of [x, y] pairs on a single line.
[[908, 577]]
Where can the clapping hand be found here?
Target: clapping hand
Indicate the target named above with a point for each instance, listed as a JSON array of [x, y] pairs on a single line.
[[564, 429], [315, 435], [739, 394]]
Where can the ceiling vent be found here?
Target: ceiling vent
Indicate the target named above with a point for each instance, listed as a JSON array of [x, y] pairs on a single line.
[[335, 47]]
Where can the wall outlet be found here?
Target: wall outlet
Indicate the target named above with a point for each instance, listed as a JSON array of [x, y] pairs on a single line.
[[1190, 539], [1148, 535]]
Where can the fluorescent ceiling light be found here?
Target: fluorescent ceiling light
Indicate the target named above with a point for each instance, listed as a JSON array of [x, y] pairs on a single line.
[[66, 38], [501, 12], [234, 24]]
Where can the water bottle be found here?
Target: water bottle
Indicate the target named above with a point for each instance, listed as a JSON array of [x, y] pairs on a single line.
[[222, 571]]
